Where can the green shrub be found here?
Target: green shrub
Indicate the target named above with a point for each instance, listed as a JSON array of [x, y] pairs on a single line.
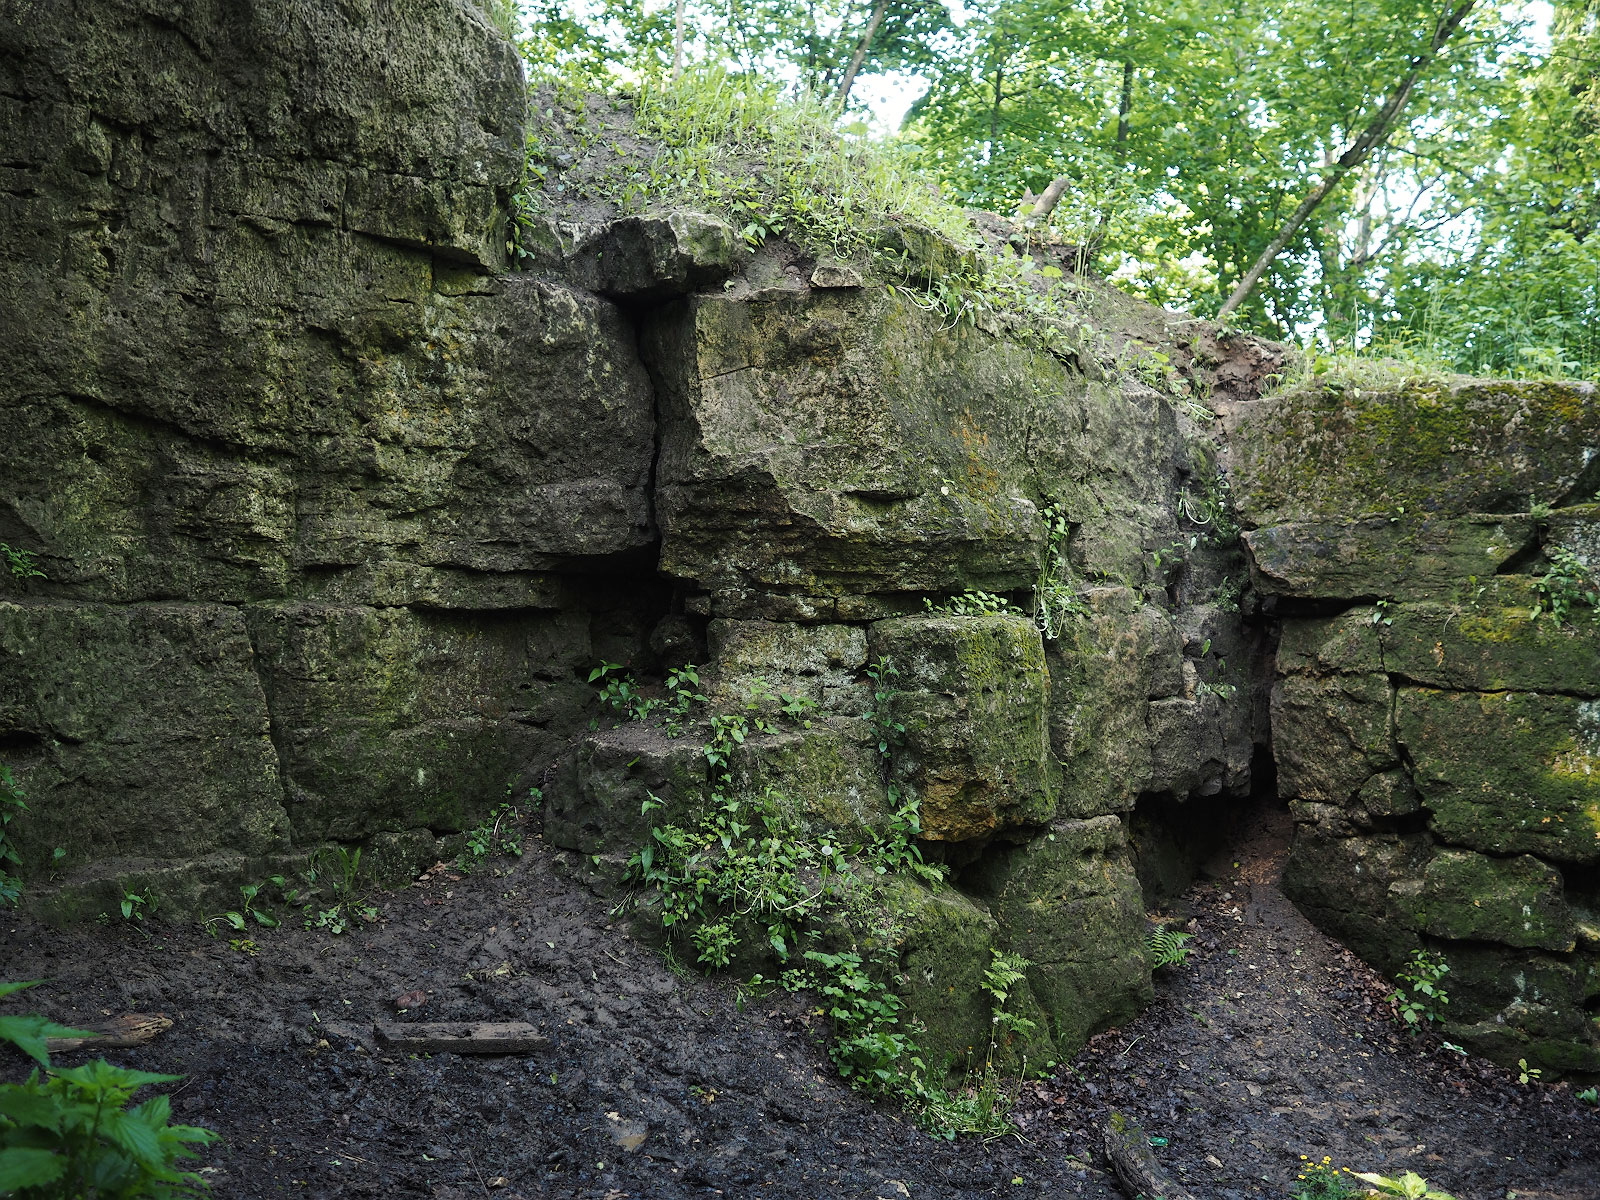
[[69, 1134]]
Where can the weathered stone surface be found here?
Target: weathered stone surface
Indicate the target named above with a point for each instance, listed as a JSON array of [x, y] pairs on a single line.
[[820, 663], [137, 731], [1412, 558], [1104, 670], [1069, 902], [388, 719], [829, 778], [828, 443], [1358, 888], [597, 803], [1345, 456], [1516, 901], [1537, 792], [1510, 1005], [1331, 735], [644, 258], [974, 699], [1494, 639]]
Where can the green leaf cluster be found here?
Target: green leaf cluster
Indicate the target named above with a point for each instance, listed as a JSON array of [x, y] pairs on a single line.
[[69, 1133]]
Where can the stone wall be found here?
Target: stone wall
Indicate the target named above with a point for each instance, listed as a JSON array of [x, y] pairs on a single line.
[[336, 513], [1436, 728]]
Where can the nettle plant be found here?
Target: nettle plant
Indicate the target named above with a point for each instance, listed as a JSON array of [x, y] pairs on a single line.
[[748, 880], [69, 1132]]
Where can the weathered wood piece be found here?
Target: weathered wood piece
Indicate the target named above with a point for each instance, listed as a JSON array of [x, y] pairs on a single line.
[[460, 1037], [1138, 1173], [119, 1033]]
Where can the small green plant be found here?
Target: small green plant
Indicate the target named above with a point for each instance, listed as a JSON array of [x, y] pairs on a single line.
[[1323, 1181], [1056, 602], [238, 919], [1381, 614], [1419, 997], [136, 906], [1590, 1096], [23, 564], [973, 604], [1409, 1186], [70, 1133], [1566, 585], [882, 673], [1167, 947], [1527, 1074], [492, 835], [337, 873], [13, 800]]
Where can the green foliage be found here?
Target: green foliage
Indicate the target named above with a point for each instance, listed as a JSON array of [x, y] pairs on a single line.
[[1419, 997], [70, 1135], [1527, 1074], [620, 693], [1589, 1096], [973, 604], [1168, 947], [239, 919], [1323, 1181], [492, 835], [335, 875], [1565, 585], [13, 801], [1409, 1186], [23, 564], [138, 905], [1056, 603]]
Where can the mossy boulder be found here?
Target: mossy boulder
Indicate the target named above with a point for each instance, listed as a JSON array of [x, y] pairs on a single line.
[[1359, 888], [1069, 902], [1509, 1005], [827, 778], [1536, 792], [1493, 639], [1515, 902], [973, 695], [1441, 448]]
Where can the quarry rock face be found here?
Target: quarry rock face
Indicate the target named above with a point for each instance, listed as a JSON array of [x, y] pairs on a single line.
[[336, 514], [1437, 740]]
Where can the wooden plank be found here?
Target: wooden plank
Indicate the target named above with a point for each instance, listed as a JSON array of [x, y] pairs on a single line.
[[460, 1037], [119, 1033]]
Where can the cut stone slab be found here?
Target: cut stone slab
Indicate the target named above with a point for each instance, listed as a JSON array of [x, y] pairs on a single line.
[[828, 778], [973, 695]]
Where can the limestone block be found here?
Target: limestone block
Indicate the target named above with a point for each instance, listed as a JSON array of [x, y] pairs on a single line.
[[391, 719], [1331, 734], [973, 695], [1069, 902], [1507, 772], [598, 804], [1516, 901], [828, 778], [137, 731]]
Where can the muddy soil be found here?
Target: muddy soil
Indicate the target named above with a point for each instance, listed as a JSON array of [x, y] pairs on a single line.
[[1271, 1042]]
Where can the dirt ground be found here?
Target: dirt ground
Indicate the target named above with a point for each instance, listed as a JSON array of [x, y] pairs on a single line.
[[1271, 1042]]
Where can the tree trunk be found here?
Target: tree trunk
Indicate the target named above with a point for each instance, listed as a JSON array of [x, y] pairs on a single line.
[[860, 56], [1376, 132], [677, 43]]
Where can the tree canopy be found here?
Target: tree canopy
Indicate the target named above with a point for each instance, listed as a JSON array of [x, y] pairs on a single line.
[[1413, 173]]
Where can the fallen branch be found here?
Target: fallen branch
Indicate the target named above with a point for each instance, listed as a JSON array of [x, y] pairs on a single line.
[[1135, 1165], [461, 1037]]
